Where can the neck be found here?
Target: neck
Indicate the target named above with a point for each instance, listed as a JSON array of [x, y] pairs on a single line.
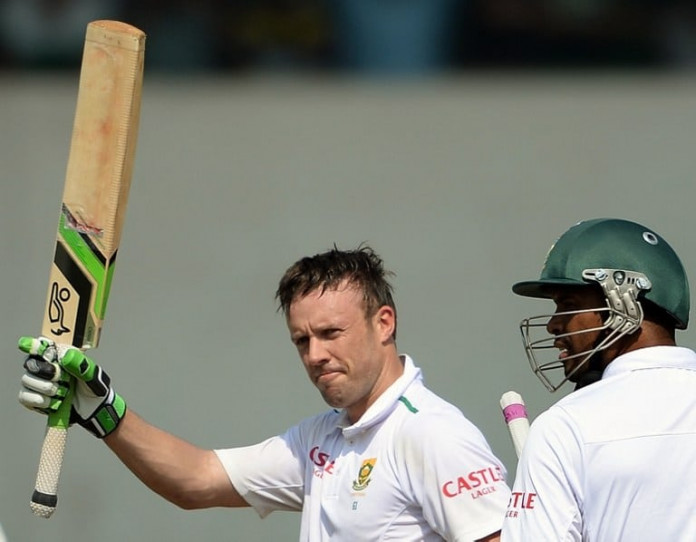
[[649, 334], [393, 368]]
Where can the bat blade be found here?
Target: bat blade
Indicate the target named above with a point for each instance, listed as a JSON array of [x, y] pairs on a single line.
[[93, 207], [515, 414]]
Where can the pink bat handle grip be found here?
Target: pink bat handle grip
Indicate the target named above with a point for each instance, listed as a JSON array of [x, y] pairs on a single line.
[[515, 414]]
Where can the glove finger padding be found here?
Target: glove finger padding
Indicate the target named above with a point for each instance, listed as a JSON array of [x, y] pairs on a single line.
[[46, 370], [44, 385], [41, 395], [95, 381]]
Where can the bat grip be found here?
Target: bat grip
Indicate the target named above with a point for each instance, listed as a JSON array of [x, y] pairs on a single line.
[[515, 414], [45, 497]]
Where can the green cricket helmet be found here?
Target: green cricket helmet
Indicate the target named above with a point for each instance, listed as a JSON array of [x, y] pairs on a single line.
[[630, 263]]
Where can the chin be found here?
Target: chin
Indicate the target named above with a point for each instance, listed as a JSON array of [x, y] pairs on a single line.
[[568, 371], [333, 401]]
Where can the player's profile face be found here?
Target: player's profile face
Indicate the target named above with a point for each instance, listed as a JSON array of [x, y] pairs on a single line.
[[340, 348], [575, 323]]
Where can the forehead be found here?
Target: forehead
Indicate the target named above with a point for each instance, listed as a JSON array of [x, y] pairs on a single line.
[[339, 299], [578, 294]]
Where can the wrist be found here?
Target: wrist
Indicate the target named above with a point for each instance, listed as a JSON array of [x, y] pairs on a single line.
[[107, 417]]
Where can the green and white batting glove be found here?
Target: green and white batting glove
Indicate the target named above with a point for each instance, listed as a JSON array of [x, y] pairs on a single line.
[[49, 368]]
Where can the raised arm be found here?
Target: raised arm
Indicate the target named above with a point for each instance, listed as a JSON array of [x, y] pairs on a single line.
[[188, 476]]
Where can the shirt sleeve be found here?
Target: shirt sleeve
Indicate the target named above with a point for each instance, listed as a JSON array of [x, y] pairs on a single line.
[[455, 477], [268, 475], [547, 500]]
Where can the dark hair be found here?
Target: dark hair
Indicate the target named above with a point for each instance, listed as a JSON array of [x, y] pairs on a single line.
[[361, 267]]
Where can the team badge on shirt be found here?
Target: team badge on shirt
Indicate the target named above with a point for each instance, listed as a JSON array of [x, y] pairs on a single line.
[[364, 474]]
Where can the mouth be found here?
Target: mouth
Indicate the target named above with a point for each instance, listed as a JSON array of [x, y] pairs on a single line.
[[563, 351], [326, 376]]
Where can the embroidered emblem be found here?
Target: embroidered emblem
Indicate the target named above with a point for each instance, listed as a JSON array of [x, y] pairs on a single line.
[[364, 474]]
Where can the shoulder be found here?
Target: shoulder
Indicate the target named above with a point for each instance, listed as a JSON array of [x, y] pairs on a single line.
[[423, 405], [430, 422], [580, 410], [557, 433], [326, 419], [309, 429]]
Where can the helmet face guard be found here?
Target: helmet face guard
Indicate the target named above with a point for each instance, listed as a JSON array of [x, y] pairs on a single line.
[[630, 263], [622, 316]]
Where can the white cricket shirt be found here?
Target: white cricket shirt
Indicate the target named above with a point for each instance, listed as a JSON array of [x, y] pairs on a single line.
[[412, 468], [615, 461]]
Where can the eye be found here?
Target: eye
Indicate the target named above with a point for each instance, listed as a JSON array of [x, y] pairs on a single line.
[[565, 304], [300, 341], [331, 333]]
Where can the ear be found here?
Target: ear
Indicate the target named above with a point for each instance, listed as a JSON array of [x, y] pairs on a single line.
[[385, 323]]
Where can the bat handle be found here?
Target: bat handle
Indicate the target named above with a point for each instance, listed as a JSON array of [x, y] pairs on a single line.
[[515, 414], [45, 497]]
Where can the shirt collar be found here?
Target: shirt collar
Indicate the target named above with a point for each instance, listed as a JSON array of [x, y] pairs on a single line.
[[385, 403], [651, 358]]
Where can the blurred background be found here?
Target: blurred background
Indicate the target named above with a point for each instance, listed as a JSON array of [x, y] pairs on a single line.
[[383, 36], [458, 138]]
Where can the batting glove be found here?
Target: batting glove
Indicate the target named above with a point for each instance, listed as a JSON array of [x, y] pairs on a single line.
[[49, 370]]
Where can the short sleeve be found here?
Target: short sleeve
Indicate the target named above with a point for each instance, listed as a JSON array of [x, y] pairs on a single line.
[[268, 475]]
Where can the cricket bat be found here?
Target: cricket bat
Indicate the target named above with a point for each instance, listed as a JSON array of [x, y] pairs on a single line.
[[515, 414], [93, 208]]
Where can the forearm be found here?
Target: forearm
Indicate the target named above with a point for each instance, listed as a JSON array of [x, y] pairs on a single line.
[[182, 473]]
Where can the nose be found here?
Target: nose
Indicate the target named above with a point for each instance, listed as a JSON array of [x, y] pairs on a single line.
[[554, 326], [316, 352]]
